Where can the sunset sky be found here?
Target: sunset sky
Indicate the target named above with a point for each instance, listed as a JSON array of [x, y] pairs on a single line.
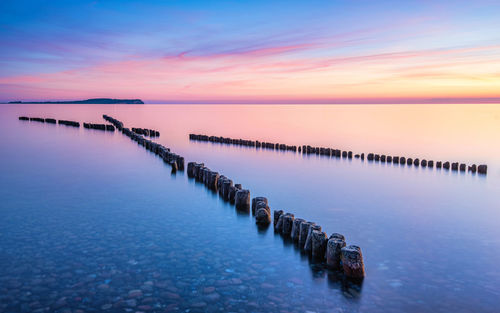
[[251, 51]]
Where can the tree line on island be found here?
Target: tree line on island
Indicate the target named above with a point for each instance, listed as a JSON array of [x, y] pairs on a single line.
[[89, 101]]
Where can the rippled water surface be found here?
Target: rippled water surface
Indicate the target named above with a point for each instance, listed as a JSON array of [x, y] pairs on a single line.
[[92, 222]]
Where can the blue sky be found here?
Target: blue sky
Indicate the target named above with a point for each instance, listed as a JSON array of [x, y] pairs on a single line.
[[65, 49]]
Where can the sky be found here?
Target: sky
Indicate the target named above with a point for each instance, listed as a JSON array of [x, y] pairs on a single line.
[[351, 51]]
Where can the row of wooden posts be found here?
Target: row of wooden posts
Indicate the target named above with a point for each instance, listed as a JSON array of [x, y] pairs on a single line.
[[146, 132], [244, 142], [307, 235], [69, 123], [332, 152], [99, 126], [49, 120], [174, 160]]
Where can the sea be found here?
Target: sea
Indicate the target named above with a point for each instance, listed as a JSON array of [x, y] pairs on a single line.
[[92, 222]]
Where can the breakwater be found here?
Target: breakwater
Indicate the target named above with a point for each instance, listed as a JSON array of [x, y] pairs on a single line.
[[99, 126], [338, 153], [244, 142], [49, 120], [331, 251], [146, 132], [174, 160], [69, 123]]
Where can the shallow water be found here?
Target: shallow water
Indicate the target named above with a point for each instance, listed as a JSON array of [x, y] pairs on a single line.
[[88, 216]]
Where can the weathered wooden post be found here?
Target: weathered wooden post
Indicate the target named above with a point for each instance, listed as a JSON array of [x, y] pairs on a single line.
[[174, 167], [263, 217], [279, 224], [319, 242], [180, 162], [308, 244], [254, 203], [333, 250], [277, 214], [232, 194], [214, 178], [242, 200], [352, 262], [287, 224], [304, 230], [296, 229], [225, 188]]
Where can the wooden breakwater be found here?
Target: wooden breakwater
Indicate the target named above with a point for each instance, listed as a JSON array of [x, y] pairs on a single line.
[[174, 160], [308, 236], [99, 126], [146, 132], [244, 142], [338, 153], [49, 120], [68, 123]]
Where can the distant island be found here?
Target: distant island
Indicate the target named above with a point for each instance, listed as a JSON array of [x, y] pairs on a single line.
[[93, 101]]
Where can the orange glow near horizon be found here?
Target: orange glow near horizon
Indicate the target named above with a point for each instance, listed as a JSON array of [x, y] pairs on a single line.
[[280, 73]]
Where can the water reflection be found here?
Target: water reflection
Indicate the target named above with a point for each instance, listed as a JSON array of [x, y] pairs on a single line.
[[262, 229]]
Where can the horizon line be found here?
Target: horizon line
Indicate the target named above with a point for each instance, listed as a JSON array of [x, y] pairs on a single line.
[[462, 100]]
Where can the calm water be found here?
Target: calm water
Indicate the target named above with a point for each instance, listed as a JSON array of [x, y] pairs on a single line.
[[91, 222]]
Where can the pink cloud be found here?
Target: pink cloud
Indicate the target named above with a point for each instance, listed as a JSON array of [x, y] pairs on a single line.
[[274, 73]]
